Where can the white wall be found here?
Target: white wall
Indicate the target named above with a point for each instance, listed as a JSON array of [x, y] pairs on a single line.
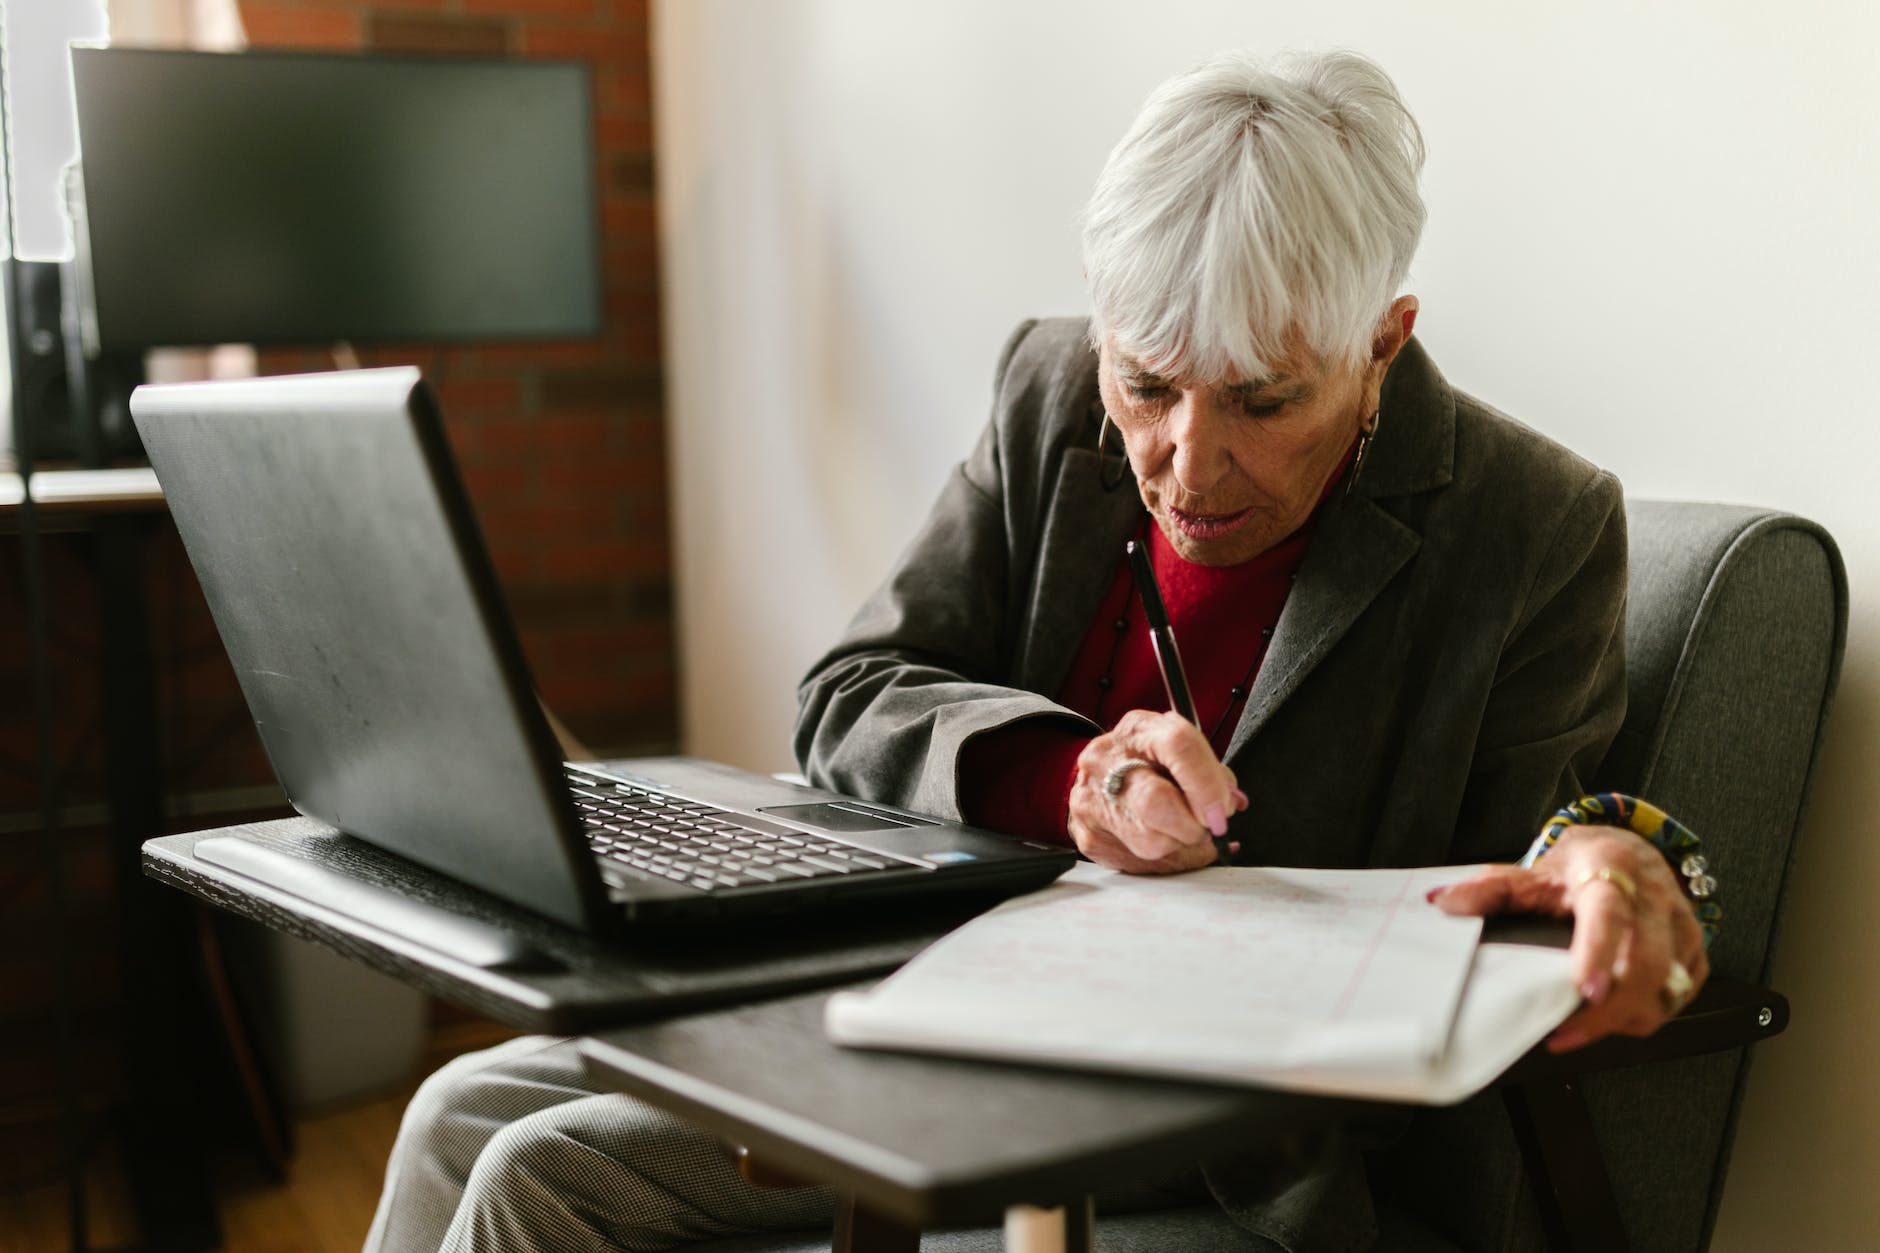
[[43, 127], [1651, 234]]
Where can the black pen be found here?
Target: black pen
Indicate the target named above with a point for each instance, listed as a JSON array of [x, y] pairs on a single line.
[[1167, 657]]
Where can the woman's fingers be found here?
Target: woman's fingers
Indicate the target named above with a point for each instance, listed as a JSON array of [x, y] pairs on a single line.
[[1501, 890], [1635, 1002], [1634, 933], [1164, 807], [1164, 821], [1183, 756], [1101, 845], [1603, 917], [1206, 786], [1601, 924], [1106, 850], [1631, 923]]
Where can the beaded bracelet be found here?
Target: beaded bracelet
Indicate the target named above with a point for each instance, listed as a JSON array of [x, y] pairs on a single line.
[[1669, 836]]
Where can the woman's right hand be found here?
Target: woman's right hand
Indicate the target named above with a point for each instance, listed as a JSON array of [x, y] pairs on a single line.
[[1169, 807]]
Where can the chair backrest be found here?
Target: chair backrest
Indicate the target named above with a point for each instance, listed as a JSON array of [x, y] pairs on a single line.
[[1735, 622]]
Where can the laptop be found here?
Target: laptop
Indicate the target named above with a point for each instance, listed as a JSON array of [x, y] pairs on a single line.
[[339, 555]]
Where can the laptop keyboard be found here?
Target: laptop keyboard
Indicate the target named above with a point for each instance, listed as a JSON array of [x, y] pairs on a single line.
[[649, 833]]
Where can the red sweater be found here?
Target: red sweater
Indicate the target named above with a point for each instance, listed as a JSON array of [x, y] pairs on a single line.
[[1019, 778]]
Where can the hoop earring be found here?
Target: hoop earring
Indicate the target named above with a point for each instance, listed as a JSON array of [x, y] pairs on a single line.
[[1366, 434], [1105, 479]]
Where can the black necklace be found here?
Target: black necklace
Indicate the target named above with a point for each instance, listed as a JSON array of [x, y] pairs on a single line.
[[1235, 694]]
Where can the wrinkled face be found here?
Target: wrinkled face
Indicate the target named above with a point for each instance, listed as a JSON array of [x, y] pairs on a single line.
[[1230, 468]]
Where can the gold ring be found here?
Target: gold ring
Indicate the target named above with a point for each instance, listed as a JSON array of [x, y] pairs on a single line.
[[1678, 987], [1618, 878]]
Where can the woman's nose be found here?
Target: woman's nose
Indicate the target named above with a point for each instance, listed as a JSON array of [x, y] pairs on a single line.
[[1200, 457]]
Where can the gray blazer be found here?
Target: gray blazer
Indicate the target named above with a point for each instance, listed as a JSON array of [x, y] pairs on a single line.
[[1448, 669]]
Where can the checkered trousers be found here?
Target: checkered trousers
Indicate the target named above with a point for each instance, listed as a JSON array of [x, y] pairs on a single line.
[[509, 1151]]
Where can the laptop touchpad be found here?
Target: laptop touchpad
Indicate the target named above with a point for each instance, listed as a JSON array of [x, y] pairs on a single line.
[[828, 817]]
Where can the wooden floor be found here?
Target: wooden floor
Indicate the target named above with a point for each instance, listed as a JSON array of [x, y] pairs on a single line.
[[338, 1170], [326, 1206]]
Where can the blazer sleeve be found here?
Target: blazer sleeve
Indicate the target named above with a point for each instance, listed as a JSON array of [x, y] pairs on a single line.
[[922, 668], [1558, 696]]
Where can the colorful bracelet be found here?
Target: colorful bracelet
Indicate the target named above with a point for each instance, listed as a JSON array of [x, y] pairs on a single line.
[[1669, 836]]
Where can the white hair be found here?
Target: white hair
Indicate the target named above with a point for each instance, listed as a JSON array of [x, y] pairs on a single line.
[[1252, 209]]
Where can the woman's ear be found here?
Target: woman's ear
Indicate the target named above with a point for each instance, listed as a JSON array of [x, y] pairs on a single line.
[[1393, 330]]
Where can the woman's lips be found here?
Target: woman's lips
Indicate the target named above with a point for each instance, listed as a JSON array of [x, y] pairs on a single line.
[[1208, 525]]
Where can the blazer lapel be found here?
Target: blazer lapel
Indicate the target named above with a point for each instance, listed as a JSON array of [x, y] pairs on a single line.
[[1079, 553], [1356, 550], [1359, 546]]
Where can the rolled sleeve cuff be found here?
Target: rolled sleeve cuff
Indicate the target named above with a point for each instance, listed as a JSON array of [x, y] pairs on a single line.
[[1018, 778]]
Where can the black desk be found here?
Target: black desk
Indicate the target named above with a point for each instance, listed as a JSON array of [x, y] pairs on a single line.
[[913, 1141], [919, 1142], [90, 492], [583, 982], [117, 511], [922, 1142]]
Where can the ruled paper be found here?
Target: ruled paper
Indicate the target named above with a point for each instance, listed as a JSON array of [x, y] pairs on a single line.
[[1325, 980]]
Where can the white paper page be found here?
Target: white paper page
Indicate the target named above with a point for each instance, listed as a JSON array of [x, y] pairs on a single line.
[[1516, 994], [1227, 973]]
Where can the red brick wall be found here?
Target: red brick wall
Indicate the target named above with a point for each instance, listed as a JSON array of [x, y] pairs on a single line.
[[562, 444]]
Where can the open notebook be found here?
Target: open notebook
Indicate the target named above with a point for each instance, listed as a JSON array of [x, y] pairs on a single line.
[[1342, 982]]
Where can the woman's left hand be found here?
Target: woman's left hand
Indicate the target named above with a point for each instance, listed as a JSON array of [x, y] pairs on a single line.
[[1633, 928]]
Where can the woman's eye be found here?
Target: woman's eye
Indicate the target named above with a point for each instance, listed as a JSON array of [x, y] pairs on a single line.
[[1147, 391], [1262, 408]]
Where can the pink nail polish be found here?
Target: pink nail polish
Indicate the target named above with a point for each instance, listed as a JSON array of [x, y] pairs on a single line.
[[1433, 893], [1217, 820], [1597, 988], [1240, 799]]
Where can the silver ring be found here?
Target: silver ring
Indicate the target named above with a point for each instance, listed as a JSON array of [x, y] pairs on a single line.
[[1118, 778], [1678, 987]]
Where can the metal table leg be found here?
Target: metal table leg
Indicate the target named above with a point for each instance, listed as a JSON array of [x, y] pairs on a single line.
[[165, 1140], [861, 1230]]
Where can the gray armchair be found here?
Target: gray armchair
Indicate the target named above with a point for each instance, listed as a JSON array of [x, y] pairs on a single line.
[[1734, 628], [1735, 623]]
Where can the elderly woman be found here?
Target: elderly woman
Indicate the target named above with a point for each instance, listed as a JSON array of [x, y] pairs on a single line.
[[1401, 614]]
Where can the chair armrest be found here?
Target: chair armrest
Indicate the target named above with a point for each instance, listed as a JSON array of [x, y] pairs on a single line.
[[1727, 1014]]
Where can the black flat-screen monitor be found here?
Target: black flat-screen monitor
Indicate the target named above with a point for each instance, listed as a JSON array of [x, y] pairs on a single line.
[[271, 198]]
